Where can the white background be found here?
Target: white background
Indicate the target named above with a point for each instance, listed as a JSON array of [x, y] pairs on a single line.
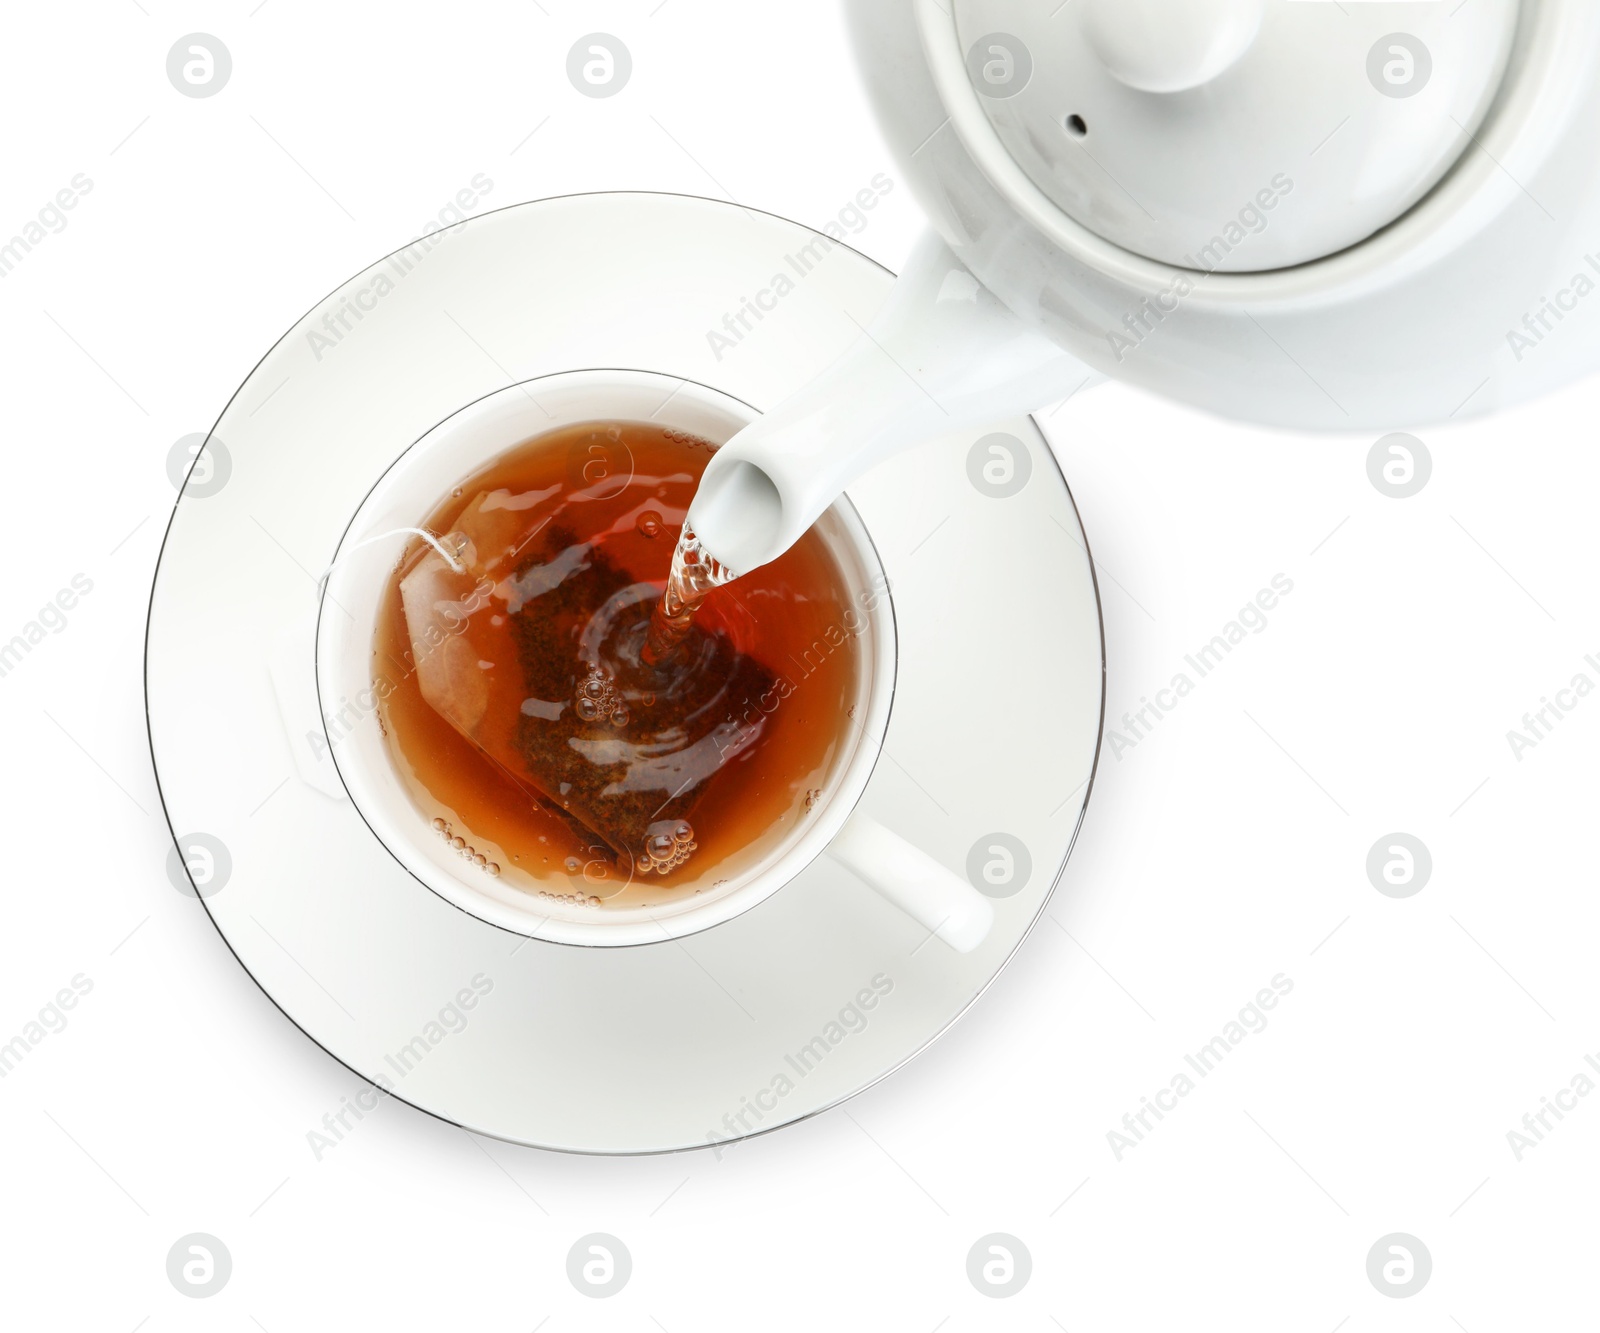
[[1228, 847]]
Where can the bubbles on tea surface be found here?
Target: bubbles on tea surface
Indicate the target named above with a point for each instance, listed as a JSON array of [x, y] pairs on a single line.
[[667, 845], [598, 700], [812, 797], [572, 865], [463, 848], [649, 524], [577, 899]]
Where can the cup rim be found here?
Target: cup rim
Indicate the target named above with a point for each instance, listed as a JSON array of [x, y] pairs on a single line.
[[791, 857]]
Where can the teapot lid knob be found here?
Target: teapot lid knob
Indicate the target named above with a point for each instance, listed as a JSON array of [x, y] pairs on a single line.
[[1158, 47]]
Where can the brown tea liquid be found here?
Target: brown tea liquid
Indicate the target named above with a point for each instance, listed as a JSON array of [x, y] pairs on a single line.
[[530, 719]]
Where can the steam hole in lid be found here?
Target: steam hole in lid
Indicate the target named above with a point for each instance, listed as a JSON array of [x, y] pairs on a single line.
[[1077, 127]]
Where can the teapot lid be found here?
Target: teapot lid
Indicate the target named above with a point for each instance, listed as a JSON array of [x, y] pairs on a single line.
[[1234, 135]]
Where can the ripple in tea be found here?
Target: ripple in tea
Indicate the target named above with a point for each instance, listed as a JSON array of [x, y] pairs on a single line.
[[549, 736]]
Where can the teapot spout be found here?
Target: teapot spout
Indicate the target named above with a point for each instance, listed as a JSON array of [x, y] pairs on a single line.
[[943, 354]]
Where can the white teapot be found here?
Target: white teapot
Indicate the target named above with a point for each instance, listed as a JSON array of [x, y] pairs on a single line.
[[1298, 212]]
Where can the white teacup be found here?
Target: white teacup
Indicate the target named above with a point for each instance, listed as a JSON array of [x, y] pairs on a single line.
[[413, 486]]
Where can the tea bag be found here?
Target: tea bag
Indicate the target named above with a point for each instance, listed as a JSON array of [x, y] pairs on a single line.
[[530, 645]]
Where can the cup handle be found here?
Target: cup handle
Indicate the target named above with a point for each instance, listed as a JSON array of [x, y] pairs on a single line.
[[914, 882]]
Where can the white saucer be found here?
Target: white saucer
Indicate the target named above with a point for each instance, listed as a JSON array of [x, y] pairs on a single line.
[[775, 1015]]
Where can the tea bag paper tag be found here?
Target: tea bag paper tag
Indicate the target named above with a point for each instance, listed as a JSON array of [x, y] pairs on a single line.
[[292, 664]]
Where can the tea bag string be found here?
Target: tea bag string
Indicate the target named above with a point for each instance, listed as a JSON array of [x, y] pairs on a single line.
[[431, 538]]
